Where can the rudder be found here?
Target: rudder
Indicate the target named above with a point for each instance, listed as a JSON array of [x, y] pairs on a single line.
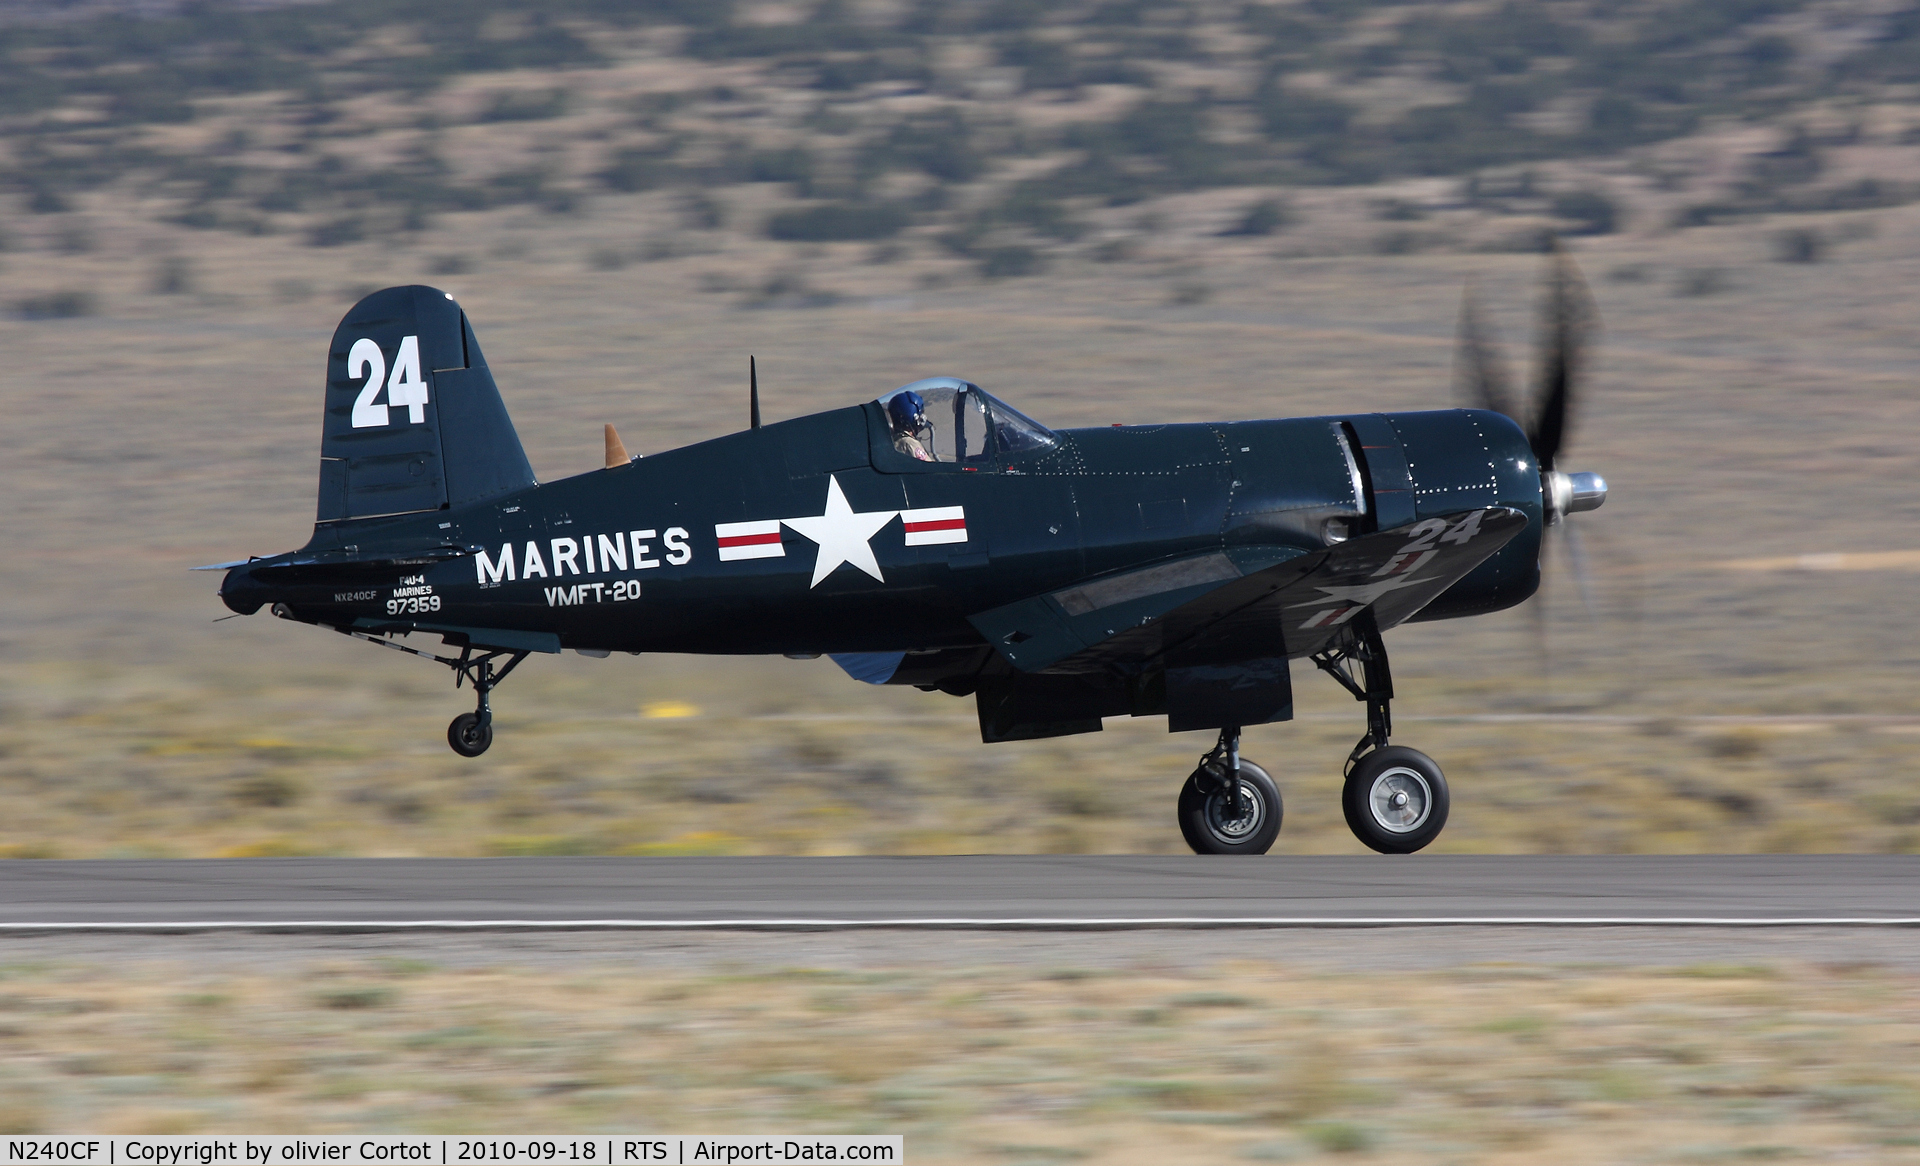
[[413, 418]]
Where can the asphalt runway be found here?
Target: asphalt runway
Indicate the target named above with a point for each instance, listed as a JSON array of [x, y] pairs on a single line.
[[1038, 893]]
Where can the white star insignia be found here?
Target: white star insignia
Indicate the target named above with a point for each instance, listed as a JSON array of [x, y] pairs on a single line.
[[842, 534], [1363, 593]]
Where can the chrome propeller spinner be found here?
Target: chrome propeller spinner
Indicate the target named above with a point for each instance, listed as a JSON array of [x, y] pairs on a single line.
[[1564, 494]]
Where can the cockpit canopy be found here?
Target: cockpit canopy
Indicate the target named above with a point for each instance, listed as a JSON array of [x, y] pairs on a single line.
[[958, 421]]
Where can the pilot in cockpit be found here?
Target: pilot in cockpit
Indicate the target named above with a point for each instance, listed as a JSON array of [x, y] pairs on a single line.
[[906, 413]]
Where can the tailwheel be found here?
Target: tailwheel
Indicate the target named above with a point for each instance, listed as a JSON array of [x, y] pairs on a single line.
[[469, 735], [1396, 799], [1229, 806]]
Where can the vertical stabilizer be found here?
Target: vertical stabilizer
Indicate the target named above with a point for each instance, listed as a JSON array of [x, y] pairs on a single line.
[[413, 419]]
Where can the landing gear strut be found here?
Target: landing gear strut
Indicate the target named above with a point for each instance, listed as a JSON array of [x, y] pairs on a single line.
[[1229, 805], [470, 733], [1395, 798]]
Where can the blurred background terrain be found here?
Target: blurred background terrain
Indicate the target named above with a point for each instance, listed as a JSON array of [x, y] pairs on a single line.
[[1101, 211], [991, 1048]]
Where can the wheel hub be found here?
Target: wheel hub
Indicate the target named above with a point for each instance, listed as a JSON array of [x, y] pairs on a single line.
[[1400, 800], [1232, 819]]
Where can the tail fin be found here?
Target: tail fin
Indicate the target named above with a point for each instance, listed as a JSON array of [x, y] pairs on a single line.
[[413, 421]]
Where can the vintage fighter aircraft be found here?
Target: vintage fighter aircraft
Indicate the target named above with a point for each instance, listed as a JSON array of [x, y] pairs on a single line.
[[937, 537]]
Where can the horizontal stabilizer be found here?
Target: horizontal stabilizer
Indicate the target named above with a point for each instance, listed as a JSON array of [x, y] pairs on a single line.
[[504, 639], [335, 565]]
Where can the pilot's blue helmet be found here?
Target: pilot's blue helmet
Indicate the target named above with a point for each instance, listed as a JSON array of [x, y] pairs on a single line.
[[907, 412]]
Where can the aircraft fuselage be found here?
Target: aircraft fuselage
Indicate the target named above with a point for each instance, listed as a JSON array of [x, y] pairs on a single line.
[[725, 546]]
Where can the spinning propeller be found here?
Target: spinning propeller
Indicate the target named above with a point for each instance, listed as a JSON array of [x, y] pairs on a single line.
[[1566, 319]]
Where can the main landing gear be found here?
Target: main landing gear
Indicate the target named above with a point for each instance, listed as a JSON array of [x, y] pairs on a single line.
[[1229, 806], [469, 734], [1395, 798]]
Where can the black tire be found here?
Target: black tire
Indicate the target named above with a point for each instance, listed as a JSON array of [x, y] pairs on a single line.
[[469, 735], [1396, 800], [1208, 831]]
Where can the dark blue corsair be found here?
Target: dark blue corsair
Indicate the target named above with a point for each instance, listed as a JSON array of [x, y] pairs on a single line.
[[1057, 576]]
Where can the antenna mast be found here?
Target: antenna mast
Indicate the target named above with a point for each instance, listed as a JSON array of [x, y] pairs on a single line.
[[753, 394]]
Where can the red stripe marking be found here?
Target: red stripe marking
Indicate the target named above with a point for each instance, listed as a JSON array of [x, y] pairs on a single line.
[[937, 524], [750, 540]]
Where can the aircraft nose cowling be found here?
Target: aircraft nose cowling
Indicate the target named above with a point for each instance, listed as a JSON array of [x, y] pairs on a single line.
[[241, 592], [1458, 459]]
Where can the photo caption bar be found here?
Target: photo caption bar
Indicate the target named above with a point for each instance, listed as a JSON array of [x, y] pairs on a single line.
[[450, 1150]]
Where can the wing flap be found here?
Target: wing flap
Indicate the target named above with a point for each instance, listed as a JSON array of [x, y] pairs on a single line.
[[1394, 573], [1042, 630]]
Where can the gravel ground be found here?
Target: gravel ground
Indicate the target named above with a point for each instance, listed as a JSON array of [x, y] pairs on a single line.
[[1328, 949], [1415, 1045]]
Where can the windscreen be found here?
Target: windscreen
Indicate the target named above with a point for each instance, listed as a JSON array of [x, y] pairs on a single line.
[[1014, 431], [943, 420]]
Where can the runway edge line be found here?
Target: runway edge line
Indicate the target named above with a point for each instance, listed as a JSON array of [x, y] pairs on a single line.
[[951, 924]]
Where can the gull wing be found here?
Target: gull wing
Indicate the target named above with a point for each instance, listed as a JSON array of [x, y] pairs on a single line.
[[1245, 603]]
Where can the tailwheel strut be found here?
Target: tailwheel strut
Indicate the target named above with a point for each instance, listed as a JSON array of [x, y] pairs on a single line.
[[1395, 798], [469, 734]]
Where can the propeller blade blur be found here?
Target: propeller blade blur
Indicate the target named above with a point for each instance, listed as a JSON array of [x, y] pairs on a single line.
[[1582, 576], [1566, 319], [1479, 370]]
